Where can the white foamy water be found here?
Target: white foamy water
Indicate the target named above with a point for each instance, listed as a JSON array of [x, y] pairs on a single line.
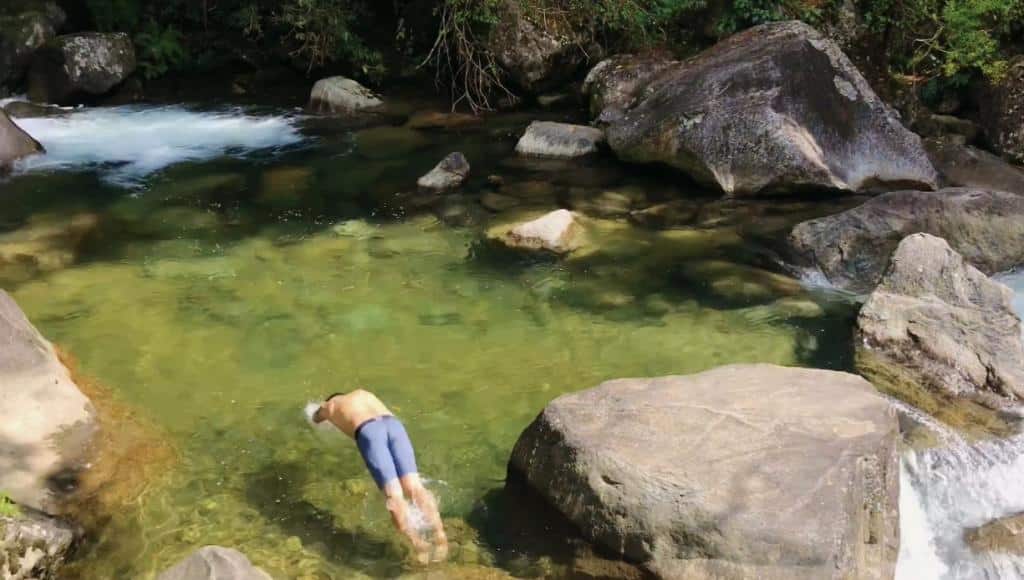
[[126, 144]]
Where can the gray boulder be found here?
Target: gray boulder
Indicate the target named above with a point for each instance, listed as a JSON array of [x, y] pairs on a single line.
[[340, 95], [746, 471], [1005, 535], [34, 546], [76, 66], [775, 108], [1001, 110], [612, 86], [852, 249], [15, 143], [25, 25], [215, 563], [47, 423], [966, 166], [559, 140], [450, 173], [938, 322], [535, 56]]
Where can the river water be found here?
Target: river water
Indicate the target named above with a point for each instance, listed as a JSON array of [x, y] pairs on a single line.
[[216, 268]]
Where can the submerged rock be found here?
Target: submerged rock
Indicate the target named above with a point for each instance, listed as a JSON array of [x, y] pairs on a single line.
[[25, 25], [450, 173], [34, 546], [534, 57], [215, 563], [439, 120], [559, 140], [47, 423], [775, 108], [558, 232], [75, 66], [1005, 535], [937, 322], [340, 95], [852, 248], [1001, 110], [497, 202], [756, 471], [45, 244], [15, 143]]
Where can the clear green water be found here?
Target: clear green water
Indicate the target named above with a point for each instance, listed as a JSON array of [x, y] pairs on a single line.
[[226, 294]]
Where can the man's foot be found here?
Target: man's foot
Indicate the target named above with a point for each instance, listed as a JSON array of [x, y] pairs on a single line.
[[441, 550], [422, 557]]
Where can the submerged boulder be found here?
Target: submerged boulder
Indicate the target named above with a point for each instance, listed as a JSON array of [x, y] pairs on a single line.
[[852, 249], [450, 173], [34, 546], [776, 107], [1005, 535], [746, 471], [76, 66], [340, 95], [215, 563], [46, 423], [558, 232], [536, 56], [938, 322], [1002, 112], [25, 25], [560, 140], [15, 143]]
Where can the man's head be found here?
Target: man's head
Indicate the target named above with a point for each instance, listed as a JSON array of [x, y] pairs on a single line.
[[320, 416]]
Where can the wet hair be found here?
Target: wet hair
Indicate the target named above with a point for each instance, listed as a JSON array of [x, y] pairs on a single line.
[[334, 395]]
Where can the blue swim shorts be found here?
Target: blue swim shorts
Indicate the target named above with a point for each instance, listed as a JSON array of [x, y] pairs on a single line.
[[386, 449]]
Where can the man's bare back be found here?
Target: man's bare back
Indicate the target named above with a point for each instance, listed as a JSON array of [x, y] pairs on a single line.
[[347, 412]]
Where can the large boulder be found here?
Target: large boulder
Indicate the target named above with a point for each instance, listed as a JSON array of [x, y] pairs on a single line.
[[966, 166], [15, 143], [340, 95], [25, 25], [559, 140], [746, 471], [938, 322], [1005, 535], [47, 423], [612, 86], [34, 546], [536, 56], [1001, 111], [215, 563], [775, 108], [851, 249], [79, 66]]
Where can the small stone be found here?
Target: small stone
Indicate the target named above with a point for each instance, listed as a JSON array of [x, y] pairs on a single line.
[[497, 202], [560, 140], [450, 173], [495, 181]]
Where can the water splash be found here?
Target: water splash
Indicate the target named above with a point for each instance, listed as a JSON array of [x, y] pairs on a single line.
[[309, 410], [126, 144]]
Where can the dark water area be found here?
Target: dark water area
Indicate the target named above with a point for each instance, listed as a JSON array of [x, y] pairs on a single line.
[[216, 267]]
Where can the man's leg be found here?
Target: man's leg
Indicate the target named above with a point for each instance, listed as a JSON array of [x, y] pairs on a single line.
[[405, 463], [399, 511]]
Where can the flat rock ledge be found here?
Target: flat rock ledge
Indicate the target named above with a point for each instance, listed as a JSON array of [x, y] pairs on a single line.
[[559, 140], [215, 563], [745, 471], [938, 322]]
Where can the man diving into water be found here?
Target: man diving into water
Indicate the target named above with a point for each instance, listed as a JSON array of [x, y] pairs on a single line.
[[388, 454]]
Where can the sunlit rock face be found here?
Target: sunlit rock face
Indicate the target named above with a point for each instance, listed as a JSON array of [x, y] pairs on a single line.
[[73, 67], [775, 108], [746, 471], [25, 25]]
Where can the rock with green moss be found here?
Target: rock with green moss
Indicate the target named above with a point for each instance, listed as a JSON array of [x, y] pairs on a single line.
[[25, 25], [1002, 112], [34, 546], [75, 67], [535, 53]]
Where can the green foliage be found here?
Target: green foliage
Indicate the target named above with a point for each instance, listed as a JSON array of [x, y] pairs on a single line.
[[319, 32], [115, 15], [160, 50], [8, 508]]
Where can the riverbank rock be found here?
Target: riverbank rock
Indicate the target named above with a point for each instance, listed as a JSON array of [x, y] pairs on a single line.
[[559, 140], [25, 25], [34, 546], [450, 173], [558, 232], [851, 249], [1001, 110], [78, 66], [745, 471], [340, 95], [1005, 535], [614, 83], [938, 322], [425, 120], [27, 110], [15, 143], [536, 56], [777, 107], [966, 166], [47, 423], [215, 563]]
